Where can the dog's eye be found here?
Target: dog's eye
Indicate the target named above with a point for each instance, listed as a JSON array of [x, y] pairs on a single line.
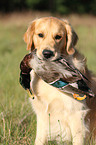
[[58, 37], [41, 35]]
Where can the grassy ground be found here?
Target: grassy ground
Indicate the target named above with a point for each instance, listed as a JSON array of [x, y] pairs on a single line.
[[17, 120]]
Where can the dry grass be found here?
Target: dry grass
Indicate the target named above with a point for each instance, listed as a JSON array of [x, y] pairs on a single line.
[[26, 17]]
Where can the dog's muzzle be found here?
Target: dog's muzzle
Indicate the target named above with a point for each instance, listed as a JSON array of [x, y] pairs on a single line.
[[47, 53]]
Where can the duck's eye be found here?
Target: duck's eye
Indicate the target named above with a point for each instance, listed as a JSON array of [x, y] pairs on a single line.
[[41, 35], [58, 37]]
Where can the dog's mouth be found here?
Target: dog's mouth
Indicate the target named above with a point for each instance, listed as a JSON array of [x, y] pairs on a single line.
[[47, 55]]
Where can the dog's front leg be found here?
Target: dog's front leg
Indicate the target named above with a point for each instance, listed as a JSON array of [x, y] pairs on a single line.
[[78, 128], [41, 135], [78, 140]]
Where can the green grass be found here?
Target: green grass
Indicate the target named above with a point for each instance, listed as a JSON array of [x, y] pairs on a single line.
[[87, 44], [17, 120]]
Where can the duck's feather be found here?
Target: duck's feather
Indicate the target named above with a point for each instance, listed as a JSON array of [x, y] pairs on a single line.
[[59, 73]]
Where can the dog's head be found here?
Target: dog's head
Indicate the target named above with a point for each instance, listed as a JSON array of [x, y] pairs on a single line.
[[51, 37]]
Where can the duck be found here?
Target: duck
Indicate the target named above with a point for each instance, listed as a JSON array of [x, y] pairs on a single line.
[[59, 73]]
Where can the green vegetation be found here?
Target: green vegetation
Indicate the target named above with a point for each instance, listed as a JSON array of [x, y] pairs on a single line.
[[17, 120], [87, 44]]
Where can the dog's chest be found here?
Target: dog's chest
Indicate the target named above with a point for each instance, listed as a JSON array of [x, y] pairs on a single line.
[[60, 109], [47, 94]]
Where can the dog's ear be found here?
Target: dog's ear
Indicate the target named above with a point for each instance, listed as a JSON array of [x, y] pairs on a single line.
[[71, 38], [28, 36]]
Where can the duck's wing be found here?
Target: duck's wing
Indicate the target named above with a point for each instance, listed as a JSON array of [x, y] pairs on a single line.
[[84, 84]]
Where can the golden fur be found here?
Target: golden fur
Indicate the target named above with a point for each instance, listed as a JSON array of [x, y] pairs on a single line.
[[59, 117]]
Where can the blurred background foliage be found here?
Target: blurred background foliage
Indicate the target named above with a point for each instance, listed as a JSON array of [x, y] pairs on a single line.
[[56, 6]]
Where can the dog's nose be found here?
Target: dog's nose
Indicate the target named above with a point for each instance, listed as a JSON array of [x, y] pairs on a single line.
[[47, 53]]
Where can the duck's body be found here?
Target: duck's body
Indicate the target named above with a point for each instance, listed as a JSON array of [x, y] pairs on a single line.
[[59, 73]]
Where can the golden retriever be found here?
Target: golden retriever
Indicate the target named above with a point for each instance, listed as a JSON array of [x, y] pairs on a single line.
[[59, 117]]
